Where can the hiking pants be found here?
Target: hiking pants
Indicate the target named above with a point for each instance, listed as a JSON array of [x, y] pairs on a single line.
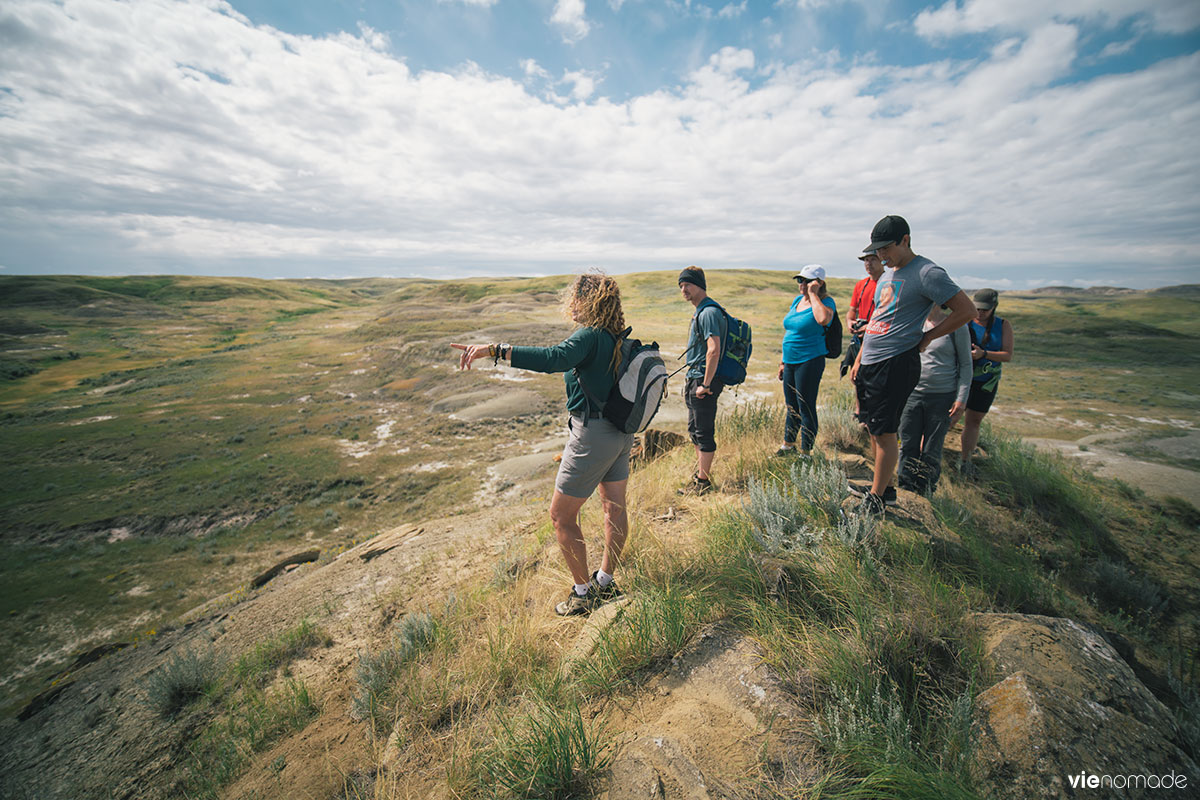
[[923, 427]]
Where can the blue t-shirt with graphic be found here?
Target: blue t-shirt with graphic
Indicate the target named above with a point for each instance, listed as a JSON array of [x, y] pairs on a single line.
[[803, 338], [903, 299]]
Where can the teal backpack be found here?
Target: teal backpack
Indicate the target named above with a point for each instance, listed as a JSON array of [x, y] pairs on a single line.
[[735, 346]]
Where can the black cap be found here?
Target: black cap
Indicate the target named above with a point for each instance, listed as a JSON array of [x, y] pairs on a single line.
[[888, 230], [986, 299]]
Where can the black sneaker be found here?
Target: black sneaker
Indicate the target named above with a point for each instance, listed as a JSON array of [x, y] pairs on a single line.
[[697, 486], [864, 489], [859, 489], [604, 594], [575, 605], [786, 451], [872, 505]]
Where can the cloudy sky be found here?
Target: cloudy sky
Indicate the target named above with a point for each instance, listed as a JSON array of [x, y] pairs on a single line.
[[1027, 142]]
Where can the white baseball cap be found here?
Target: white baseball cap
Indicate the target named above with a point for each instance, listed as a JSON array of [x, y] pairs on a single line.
[[811, 272]]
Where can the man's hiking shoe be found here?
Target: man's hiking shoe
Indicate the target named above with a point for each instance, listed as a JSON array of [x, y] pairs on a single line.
[[872, 505], [864, 489], [604, 594], [968, 470], [786, 451], [697, 486], [575, 605]]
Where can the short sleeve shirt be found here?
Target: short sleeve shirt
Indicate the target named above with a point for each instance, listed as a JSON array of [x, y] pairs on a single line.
[[903, 299], [863, 298], [708, 321], [803, 337]]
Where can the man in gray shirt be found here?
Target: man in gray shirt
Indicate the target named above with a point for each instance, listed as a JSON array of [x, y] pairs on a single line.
[[937, 402], [889, 362]]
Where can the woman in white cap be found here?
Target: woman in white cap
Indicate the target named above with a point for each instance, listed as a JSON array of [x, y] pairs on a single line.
[[803, 359], [991, 345]]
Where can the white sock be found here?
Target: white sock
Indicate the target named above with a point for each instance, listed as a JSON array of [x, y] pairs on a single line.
[[581, 589], [603, 578]]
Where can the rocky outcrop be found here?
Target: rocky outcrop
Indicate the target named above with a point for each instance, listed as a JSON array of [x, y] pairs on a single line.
[[717, 723], [1068, 709]]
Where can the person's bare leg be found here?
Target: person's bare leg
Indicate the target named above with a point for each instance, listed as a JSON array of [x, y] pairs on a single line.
[[970, 432], [564, 514], [616, 524], [703, 464], [887, 455]]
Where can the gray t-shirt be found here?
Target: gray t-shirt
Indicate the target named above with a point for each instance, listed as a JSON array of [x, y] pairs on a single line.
[[946, 365], [902, 302], [707, 321]]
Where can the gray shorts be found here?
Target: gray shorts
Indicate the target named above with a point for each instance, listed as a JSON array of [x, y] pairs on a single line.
[[595, 453]]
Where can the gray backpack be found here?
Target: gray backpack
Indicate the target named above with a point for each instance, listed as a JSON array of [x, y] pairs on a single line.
[[639, 389]]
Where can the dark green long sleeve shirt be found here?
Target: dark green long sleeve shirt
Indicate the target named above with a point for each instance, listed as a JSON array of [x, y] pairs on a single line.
[[589, 350]]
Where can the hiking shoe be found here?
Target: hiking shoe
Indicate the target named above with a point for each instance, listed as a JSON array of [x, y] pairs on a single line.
[[968, 470], [604, 594], [864, 489], [575, 605], [697, 486], [872, 505], [786, 451]]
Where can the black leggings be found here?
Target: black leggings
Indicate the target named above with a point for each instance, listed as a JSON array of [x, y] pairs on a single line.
[[801, 382]]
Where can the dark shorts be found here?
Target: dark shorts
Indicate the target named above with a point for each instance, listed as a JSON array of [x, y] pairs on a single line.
[[980, 399], [883, 389], [702, 414]]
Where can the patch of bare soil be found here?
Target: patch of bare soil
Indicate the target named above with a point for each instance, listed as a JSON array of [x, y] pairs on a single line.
[[1097, 454]]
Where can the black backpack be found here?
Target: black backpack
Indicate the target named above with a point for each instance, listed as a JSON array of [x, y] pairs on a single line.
[[833, 337]]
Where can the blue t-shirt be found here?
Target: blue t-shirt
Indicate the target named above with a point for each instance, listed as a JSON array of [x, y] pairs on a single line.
[[708, 321], [903, 298], [803, 338]]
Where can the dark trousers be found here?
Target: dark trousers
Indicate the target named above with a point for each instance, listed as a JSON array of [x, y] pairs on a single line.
[[923, 426], [702, 414], [800, 385]]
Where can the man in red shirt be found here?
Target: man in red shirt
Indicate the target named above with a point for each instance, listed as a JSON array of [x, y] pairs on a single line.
[[862, 301]]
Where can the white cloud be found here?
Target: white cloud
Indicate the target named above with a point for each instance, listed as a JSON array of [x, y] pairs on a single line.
[[729, 11], [232, 147], [570, 18], [583, 85], [532, 69], [478, 3], [980, 281], [977, 16]]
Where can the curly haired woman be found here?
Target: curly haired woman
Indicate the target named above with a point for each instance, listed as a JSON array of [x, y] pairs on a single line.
[[596, 453]]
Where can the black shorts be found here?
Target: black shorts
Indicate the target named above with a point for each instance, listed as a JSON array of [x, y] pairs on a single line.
[[883, 389], [980, 399]]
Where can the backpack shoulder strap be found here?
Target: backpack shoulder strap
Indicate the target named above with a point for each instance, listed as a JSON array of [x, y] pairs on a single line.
[[593, 403]]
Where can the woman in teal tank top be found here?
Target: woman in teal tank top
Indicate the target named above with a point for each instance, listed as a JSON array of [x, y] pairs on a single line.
[[991, 346]]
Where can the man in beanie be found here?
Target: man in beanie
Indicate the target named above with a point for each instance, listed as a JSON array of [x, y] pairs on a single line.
[[888, 365], [703, 386]]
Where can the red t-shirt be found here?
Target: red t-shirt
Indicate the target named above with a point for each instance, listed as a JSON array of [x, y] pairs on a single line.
[[863, 298]]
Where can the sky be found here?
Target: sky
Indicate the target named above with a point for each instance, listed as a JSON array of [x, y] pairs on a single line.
[[1027, 143]]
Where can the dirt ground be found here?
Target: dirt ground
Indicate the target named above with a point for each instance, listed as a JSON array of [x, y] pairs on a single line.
[[1097, 454]]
